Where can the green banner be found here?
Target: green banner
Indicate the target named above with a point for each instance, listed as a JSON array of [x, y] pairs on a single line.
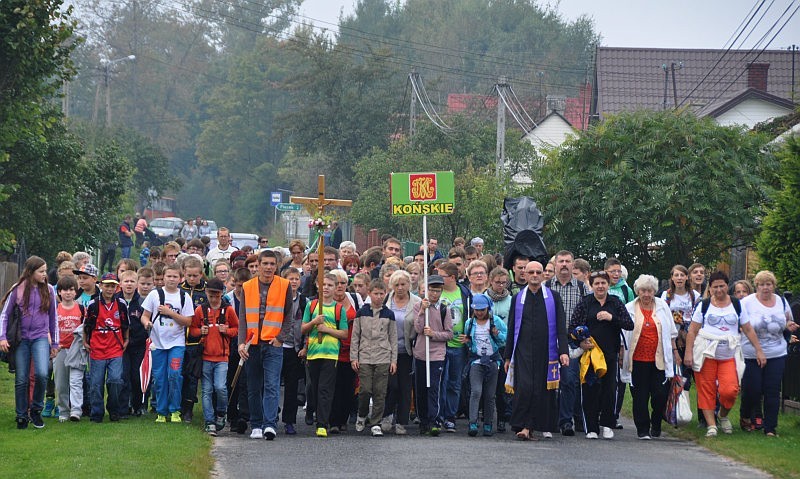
[[417, 194]]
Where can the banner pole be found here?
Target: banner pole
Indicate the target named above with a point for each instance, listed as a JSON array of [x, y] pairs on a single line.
[[425, 283]]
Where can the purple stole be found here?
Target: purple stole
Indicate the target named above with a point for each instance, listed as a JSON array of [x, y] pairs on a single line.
[[553, 366]]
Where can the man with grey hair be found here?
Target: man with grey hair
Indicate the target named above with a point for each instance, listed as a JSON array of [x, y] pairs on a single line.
[[224, 248]]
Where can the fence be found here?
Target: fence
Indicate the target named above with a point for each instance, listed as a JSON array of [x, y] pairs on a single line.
[[9, 273]]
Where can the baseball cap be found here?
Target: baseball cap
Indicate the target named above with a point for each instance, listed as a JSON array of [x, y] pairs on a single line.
[[481, 301], [435, 280], [109, 278], [215, 284], [88, 269]]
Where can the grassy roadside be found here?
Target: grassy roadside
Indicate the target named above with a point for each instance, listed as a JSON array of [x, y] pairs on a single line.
[[777, 456], [136, 447]]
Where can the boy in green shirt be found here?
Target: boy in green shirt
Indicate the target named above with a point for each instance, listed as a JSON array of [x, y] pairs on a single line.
[[324, 332]]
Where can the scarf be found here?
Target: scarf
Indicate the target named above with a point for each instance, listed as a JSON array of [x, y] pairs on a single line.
[[497, 296], [553, 367]]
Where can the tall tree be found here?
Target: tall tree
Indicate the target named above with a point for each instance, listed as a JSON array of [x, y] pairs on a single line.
[[66, 199], [35, 44], [469, 153], [779, 243], [655, 189]]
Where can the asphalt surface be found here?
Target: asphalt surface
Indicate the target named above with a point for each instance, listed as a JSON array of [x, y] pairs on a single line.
[[355, 455]]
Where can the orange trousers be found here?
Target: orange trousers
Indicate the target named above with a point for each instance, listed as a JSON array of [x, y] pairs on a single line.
[[717, 377]]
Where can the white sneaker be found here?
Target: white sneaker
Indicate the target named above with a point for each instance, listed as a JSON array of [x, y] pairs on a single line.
[[360, 423], [376, 431], [547, 435], [400, 430], [591, 435], [711, 431], [386, 423], [725, 425], [608, 433], [257, 433], [269, 433]]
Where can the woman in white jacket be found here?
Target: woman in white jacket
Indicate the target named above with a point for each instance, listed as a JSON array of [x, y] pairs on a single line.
[[651, 355]]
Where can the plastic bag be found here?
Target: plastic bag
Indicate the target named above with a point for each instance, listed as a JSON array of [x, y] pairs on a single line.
[[677, 409], [522, 230]]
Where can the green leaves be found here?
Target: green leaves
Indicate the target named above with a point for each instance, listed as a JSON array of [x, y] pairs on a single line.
[[779, 242], [654, 189]]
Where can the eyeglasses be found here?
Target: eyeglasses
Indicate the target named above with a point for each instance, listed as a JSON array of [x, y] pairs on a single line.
[[172, 256], [222, 271], [478, 273], [500, 283], [263, 242]]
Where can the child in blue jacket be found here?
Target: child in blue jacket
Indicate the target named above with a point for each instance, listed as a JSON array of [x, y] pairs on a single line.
[[486, 334]]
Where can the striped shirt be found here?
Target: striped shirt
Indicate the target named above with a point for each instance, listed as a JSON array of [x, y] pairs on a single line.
[[329, 347], [571, 293]]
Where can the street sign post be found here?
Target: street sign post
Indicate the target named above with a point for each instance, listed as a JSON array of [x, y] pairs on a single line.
[[275, 198], [288, 207]]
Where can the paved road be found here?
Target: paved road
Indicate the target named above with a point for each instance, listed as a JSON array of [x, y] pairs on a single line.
[[354, 455]]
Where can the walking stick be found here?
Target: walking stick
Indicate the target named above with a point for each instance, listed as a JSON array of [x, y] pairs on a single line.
[[239, 369]]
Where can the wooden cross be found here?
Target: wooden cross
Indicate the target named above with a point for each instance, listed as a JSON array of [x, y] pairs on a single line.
[[319, 203]]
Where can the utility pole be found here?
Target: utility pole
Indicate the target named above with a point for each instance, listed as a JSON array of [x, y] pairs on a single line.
[[108, 64], [793, 48], [666, 83], [500, 155], [674, 86], [412, 115]]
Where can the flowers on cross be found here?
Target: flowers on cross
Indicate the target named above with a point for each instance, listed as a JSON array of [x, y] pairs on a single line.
[[320, 223]]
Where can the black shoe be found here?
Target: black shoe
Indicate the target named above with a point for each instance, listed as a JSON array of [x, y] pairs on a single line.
[[36, 419], [22, 423], [98, 420], [240, 428], [501, 426], [655, 432], [138, 412], [567, 430], [309, 418], [424, 430], [187, 417], [618, 426], [114, 417]]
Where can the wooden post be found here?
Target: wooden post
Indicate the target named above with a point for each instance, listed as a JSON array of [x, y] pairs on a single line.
[[319, 203]]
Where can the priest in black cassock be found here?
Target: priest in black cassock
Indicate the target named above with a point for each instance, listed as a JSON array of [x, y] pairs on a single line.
[[537, 350]]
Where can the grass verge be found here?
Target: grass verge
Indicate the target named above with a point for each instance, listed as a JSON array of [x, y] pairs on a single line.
[[775, 455], [135, 447]]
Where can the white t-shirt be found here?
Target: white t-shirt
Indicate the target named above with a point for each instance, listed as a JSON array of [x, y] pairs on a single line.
[[721, 321], [483, 341], [768, 323], [166, 333], [217, 254], [681, 307]]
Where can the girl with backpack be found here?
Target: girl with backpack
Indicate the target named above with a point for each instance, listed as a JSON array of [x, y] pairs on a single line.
[[28, 328]]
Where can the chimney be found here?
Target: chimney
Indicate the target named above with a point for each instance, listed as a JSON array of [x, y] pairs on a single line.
[[557, 103], [757, 76]]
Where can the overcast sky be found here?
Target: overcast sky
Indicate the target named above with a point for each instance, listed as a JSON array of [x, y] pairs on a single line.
[[645, 23]]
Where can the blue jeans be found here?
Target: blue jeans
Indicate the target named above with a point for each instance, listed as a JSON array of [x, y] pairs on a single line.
[[214, 376], [37, 350], [167, 379], [264, 384], [758, 382], [126, 251], [97, 375], [570, 397], [454, 362]]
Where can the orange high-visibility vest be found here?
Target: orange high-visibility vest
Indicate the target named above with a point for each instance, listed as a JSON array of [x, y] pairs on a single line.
[[273, 315]]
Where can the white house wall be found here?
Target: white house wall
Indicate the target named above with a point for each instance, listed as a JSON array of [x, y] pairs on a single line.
[[750, 112]]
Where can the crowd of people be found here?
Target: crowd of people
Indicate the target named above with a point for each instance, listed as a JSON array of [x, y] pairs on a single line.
[[538, 348]]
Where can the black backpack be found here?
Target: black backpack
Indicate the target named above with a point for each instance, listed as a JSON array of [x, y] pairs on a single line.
[[162, 299]]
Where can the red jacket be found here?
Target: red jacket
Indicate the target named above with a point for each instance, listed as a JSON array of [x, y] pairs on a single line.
[[216, 346]]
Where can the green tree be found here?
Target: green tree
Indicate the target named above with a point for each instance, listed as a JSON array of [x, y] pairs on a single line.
[[35, 45], [779, 243], [68, 200], [655, 189], [469, 153]]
